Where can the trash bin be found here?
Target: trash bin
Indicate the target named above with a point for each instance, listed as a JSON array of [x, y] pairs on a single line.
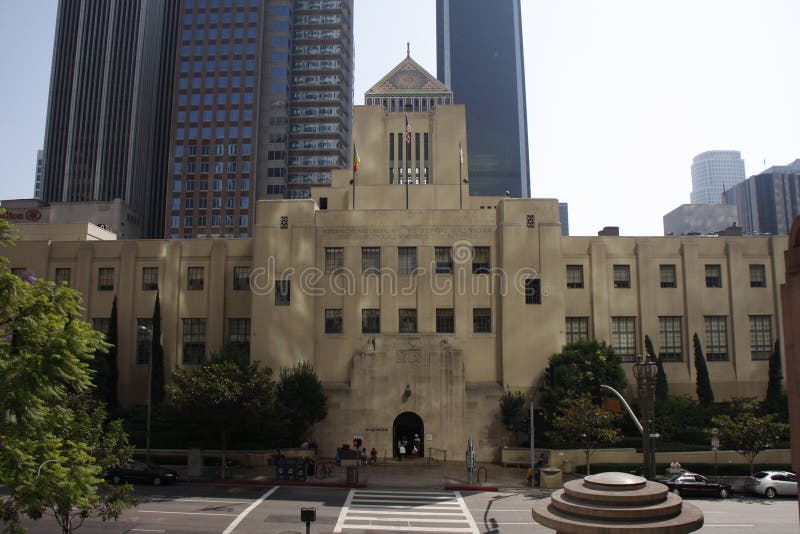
[[567, 466], [352, 474], [550, 478]]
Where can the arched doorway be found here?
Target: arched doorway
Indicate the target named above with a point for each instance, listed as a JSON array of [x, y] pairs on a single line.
[[408, 425]]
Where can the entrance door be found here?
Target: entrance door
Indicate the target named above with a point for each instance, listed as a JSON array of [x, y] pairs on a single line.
[[408, 427]]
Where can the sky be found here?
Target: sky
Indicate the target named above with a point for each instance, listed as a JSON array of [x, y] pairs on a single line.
[[621, 94]]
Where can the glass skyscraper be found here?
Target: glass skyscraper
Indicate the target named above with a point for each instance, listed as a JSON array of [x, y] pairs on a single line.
[[479, 57], [713, 172]]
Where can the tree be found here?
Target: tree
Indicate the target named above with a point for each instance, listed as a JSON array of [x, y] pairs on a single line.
[[580, 422], [774, 398], [662, 386], [301, 399], [223, 396], [581, 368], [512, 412], [157, 357], [749, 434], [104, 365], [704, 392], [53, 441]]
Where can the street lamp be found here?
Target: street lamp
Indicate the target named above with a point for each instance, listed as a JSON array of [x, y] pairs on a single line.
[[149, 332], [645, 370]]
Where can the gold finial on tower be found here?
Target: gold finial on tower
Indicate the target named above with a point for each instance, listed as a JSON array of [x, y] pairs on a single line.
[[408, 49]]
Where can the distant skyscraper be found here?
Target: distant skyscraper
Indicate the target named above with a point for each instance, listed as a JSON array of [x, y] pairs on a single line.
[[37, 185], [713, 172], [106, 119], [768, 203], [479, 57], [563, 217], [262, 108]]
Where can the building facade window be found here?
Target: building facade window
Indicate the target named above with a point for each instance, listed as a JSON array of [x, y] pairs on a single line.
[[241, 278], [334, 323], [334, 260], [195, 278], [575, 276], [481, 320], [283, 292], [758, 275], [713, 275], [445, 321], [144, 340], [623, 337], [444, 260], [239, 337], [480, 260], [371, 321], [370, 260], [622, 276], [577, 329], [105, 279], [149, 278], [194, 341], [101, 324], [760, 336], [668, 275], [407, 320], [406, 260], [670, 338], [533, 291], [716, 327], [63, 275]]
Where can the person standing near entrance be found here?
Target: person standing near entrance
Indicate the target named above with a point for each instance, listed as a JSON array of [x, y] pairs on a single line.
[[401, 450], [418, 445]]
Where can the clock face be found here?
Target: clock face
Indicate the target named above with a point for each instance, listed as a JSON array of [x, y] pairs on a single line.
[[408, 79]]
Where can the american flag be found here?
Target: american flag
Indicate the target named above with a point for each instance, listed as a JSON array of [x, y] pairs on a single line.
[[408, 131]]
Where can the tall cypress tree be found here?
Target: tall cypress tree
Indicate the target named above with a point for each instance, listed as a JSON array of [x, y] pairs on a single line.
[[773, 399], [112, 377], [157, 357], [662, 387], [704, 392]]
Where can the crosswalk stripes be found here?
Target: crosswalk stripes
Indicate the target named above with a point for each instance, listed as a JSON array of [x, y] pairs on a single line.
[[405, 510]]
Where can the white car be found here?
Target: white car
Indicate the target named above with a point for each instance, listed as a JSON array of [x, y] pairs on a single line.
[[772, 483]]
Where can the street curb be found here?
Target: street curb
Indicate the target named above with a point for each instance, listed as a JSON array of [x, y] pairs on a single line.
[[272, 483], [457, 487]]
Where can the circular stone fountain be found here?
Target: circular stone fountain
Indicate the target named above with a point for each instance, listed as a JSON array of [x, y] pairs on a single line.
[[616, 503]]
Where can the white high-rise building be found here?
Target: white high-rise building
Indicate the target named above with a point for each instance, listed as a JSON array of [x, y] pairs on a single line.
[[713, 172]]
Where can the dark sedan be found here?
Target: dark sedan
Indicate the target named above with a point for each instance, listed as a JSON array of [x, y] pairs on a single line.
[[694, 485], [142, 472]]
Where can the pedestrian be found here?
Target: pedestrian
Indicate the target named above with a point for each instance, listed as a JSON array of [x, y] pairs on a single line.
[[373, 456], [401, 450], [363, 456]]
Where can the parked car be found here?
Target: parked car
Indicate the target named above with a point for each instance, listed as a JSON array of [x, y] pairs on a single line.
[[772, 483], [141, 472], [691, 484]]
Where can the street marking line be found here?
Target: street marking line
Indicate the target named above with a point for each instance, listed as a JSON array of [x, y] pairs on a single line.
[[360, 513], [414, 529], [470, 519], [210, 501], [343, 512], [404, 507], [181, 513], [707, 525], [144, 530], [408, 492], [249, 509]]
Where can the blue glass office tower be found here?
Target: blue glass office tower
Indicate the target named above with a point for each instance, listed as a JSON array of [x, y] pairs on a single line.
[[479, 57]]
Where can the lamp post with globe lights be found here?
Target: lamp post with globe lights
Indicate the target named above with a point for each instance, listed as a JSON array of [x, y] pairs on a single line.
[[645, 370]]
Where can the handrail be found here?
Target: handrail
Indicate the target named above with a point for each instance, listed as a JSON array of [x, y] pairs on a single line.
[[430, 456], [627, 407], [485, 475]]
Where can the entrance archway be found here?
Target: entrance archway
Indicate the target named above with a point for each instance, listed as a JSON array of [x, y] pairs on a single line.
[[408, 426]]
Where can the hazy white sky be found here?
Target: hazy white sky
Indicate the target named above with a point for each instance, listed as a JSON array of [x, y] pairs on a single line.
[[621, 94]]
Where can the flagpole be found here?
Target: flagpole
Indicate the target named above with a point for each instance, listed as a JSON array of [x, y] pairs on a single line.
[[353, 181], [460, 180]]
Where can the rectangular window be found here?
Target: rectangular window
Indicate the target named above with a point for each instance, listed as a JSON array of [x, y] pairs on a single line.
[[444, 260], [239, 337], [63, 275], [334, 260], [760, 336], [533, 291], [623, 337], [101, 324], [716, 327], [333, 321], [577, 329], [406, 260], [480, 260], [575, 276], [758, 275], [670, 339], [370, 260], [622, 276], [194, 278], [241, 278], [105, 279], [668, 275], [713, 275], [283, 292], [408, 320], [371, 321], [194, 341], [149, 278], [445, 321], [481, 320], [144, 339]]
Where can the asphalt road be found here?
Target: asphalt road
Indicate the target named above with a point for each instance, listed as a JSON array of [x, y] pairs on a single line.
[[195, 508]]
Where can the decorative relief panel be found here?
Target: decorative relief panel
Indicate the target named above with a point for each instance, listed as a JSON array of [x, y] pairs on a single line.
[[405, 232]]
